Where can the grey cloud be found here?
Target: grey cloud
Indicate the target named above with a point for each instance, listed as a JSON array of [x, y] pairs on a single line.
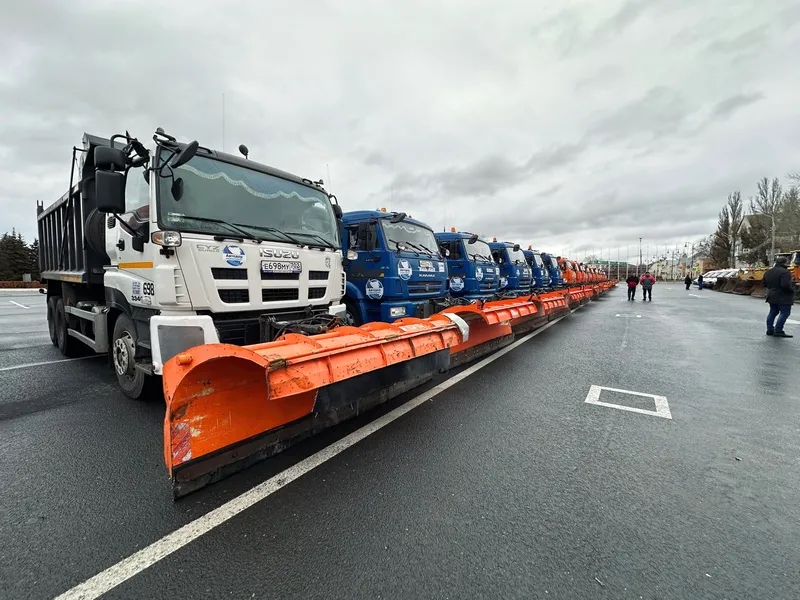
[[660, 111], [488, 175], [730, 105]]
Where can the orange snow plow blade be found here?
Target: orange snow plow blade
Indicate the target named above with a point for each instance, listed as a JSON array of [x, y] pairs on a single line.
[[555, 304], [231, 406]]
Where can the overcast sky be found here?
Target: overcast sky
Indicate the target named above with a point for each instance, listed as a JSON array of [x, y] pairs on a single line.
[[565, 124]]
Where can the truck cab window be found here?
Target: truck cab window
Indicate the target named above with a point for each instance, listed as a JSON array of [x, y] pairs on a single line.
[[137, 195]]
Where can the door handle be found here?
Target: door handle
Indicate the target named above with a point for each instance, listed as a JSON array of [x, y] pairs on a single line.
[[121, 245]]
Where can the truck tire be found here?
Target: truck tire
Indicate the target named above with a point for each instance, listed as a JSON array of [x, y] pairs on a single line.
[[68, 345], [51, 320], [351, 315], [123, 344]]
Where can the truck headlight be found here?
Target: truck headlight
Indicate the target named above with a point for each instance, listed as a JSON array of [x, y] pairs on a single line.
[[169, 239], [397, 311], [352, 255]]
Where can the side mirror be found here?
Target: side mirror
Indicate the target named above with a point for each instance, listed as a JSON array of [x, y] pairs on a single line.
[[516, 247], [398, 217], [337, 211], [473, 239], [446, 252], [110, 192], [185, 156], [107, 158]]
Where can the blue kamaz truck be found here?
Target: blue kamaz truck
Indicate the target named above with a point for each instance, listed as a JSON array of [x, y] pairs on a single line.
[[515, 274], [472, 271], [394, 267], [540, 273], [550, 263]]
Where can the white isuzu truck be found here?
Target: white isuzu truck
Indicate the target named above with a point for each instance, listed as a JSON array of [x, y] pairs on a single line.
[[157, 248]]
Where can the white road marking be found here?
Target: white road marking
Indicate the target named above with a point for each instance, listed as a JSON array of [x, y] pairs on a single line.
[[662, 406], [696, 296], [792, 322], [18, 304], [146, 557], [627, 316], [48, 362]]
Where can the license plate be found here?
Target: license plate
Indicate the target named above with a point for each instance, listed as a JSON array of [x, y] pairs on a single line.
[[281, 266], [426, 265]]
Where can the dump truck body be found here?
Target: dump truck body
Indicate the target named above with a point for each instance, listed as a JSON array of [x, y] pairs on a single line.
[[394, 268], [515, 274], [470, 267], [144, 259]]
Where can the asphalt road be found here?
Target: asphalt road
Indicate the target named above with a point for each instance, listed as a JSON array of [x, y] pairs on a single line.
[[506, 485]]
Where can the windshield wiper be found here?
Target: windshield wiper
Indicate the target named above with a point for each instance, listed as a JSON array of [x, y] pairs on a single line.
[[396, 243], [428, 250], [292, 239], [325, 243], [232, 226]]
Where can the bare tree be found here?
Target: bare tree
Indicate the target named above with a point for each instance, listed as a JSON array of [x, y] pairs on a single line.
[[736, 215]]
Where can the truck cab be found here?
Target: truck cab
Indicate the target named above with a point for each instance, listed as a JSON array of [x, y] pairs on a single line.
[[472, 271], [394, 267], [541, 276], [568, 271], [156, 248], [551, 264], [515, 274]]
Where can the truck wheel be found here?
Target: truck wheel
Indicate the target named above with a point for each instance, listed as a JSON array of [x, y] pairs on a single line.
[[351, 315], [123, 346], [68, 345], [51, 320]]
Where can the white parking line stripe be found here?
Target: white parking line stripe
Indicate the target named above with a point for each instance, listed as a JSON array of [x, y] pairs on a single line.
[[18, 304], [148, 556], [48, 362]]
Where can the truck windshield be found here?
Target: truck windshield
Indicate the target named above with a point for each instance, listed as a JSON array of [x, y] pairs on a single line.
[[538, 260], [414, 237], [516, 258], [250, 199], [479, 251]]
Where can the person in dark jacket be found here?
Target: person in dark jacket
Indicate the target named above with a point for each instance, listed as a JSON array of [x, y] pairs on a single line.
[[632, 282], [647, 282], [780, 295], [688, 281], [700, 281]]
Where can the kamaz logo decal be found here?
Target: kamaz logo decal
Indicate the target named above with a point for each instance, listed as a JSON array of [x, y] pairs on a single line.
[[279, 253]]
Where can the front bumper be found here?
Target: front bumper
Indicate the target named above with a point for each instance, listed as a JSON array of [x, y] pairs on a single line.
[[172, 335], [391, 311]]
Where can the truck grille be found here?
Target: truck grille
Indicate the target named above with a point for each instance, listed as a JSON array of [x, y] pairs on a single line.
[[279, 294], [316, 293], [280, 276], [224, 273], [423, 287], [488, 287], [318, 275], [234, 296]]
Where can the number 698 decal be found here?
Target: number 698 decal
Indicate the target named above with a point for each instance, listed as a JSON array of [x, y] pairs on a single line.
[[148, 288]]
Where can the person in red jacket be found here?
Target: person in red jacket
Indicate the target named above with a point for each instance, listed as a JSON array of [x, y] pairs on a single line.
[[647, 282], [632, 282]]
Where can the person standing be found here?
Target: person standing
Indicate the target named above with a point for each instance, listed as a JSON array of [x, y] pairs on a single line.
[[688, 281], [700, 281], [780, 296], [647, 282], [632, 282]]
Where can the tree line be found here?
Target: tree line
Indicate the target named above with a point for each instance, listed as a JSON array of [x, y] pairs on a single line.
[[18, 258], [750, 234]]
